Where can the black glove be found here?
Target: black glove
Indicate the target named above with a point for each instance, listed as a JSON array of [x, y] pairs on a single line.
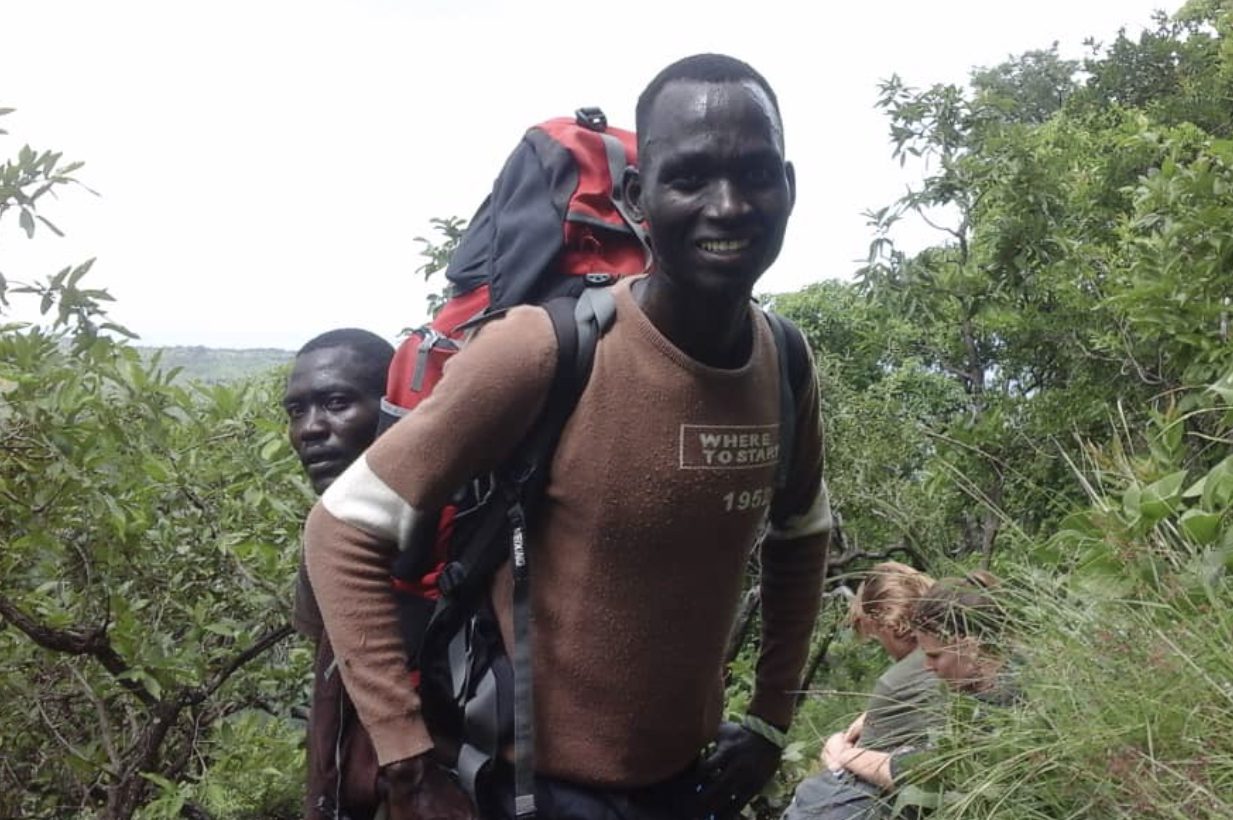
[[742, 763]]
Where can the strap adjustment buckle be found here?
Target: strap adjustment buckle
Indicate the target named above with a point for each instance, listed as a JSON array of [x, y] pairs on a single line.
[[591, 117]]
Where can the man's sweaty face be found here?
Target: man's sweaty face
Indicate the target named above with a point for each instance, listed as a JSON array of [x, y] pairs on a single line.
[[332, 416], [716, 190]]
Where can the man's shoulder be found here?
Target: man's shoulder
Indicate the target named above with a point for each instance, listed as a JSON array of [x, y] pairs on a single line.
[[522, 321], [518, 339]]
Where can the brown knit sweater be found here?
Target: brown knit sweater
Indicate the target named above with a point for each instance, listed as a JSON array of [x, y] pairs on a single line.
[[658, 491]]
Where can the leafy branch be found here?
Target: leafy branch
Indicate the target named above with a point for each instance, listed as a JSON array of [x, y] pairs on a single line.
[[92, 642], [24, 181]]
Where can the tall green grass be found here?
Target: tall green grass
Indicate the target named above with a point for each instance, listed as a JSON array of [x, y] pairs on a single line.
[[1122, 638], [1127, 712]]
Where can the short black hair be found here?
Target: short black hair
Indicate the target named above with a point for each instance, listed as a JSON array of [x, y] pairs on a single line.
[[374, 352], [705, 68]]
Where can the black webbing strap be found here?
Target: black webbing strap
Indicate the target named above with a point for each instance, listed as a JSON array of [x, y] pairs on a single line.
[[476, 560], [794, 367], [787, 403], [578, 325], [524, 701], [614, 150]]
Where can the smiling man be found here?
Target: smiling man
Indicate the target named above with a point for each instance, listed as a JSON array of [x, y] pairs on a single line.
[[332, 401], [663, 482]]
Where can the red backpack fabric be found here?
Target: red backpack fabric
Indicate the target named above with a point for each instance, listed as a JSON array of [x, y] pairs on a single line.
[[554, 222]]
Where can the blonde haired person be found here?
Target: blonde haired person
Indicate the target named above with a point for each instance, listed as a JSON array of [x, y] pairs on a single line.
[[959, 626], [904, 705]]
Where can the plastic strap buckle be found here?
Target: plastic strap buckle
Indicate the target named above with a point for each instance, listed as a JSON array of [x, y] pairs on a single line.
[[591, 117]]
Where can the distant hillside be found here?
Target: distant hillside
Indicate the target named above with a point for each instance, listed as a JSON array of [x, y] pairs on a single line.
[[208, 364]]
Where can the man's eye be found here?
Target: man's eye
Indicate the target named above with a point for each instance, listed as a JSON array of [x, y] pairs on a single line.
[[759, 176], [294, 411], [336, 404], [686, 181]]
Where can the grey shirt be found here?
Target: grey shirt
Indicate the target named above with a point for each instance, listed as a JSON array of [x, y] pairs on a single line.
[[906, 701]]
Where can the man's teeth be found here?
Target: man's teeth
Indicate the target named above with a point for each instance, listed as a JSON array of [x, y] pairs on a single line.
[[723, 245]]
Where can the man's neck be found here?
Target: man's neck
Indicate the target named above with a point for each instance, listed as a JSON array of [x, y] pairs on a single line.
[[714, 332]]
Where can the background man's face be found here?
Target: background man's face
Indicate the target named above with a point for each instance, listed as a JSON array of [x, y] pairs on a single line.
[[715, 188], [332, 414], [954, 660]]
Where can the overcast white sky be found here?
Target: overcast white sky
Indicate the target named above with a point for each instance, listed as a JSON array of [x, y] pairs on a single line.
[[264, 165]]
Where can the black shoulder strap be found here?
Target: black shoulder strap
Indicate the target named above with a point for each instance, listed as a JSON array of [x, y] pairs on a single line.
[[578, 324], [793, 377]]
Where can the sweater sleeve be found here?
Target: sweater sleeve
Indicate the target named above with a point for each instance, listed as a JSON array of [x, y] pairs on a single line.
[[487, 399], [793, 565]]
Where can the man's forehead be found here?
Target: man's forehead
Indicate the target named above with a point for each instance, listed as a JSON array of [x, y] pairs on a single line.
[[687, 101], [336, 357], [325, 367]]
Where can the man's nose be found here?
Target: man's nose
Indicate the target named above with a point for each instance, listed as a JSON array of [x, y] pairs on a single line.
[[314, 425], [728, 200]]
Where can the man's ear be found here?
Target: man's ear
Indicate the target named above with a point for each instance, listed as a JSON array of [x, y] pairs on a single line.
[[789, 171], [631, 192]]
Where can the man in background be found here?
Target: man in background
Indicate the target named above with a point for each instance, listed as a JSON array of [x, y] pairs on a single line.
[[332, 400]]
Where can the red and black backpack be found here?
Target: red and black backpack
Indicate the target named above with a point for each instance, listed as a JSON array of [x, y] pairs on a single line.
[[555, 222]]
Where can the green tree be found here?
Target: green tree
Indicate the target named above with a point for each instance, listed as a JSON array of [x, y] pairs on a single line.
[[146, 543], [1028, 88], [1178, 70], [437, 253], [1081, 266], [879, 402]]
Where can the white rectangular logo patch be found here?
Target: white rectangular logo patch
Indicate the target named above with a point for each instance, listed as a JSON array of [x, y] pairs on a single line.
[[728, 447]]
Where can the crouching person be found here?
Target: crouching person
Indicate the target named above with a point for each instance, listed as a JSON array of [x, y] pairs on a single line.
[[906, 701], [959, 626]]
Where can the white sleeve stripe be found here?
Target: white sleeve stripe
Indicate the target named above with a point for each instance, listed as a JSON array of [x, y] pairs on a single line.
[[817, 519], [359, 498]]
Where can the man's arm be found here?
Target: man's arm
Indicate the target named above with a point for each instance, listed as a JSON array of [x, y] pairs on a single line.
[[867, 764], [489, 396], [793, 563], [305, 615], [791, 593], [856, 728]]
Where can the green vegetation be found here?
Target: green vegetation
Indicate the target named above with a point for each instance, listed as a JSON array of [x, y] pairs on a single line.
[[147, 543], [1047, 391]]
